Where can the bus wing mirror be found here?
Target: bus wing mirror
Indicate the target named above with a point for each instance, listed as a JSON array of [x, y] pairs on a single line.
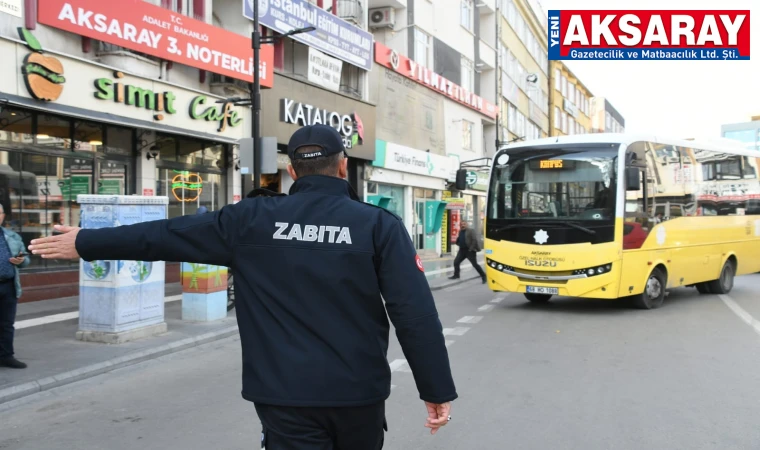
[[632, 179], [461, 183]]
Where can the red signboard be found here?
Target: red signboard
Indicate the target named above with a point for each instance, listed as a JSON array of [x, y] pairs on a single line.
[[148, 192], [426, 77], [150, 29]]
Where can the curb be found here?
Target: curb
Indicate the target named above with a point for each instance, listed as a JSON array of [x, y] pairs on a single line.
[[445, 285], [44, 384]]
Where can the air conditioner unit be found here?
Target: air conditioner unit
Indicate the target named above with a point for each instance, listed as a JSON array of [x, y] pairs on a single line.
[[382, 17]]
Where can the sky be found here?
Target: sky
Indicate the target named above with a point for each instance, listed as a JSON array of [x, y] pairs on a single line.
[[677, 99]]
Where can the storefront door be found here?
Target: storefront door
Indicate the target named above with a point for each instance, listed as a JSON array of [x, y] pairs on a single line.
[[419, 224]]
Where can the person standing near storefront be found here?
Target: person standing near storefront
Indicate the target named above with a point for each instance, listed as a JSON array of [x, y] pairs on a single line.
[[469, 246], [311, 272], [12, 257]]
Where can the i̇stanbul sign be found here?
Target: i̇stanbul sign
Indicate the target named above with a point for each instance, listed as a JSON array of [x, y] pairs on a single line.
[[426, 77]]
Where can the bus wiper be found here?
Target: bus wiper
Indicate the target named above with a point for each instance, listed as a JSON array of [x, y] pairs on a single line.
[[576, 226]]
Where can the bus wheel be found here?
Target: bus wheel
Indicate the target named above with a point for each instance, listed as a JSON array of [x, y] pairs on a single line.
[[703, 288], [725, 283], [654, 292], [538, 298]]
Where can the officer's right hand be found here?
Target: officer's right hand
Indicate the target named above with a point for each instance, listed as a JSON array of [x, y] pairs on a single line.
[[438, 415]]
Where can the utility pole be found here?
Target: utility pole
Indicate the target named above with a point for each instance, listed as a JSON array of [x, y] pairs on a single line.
[[255, 98]]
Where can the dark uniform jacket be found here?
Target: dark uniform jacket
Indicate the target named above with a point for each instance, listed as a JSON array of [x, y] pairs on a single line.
[[311, 272]]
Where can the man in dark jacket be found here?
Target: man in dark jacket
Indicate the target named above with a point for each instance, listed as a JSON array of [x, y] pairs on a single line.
[[469, 246], [311, 272]]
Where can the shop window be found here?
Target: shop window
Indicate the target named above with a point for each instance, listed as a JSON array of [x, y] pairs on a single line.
[[188, 190], [119, 141], [15, 126], [167, 147], [88, 137], [38, 192], [53, 132]]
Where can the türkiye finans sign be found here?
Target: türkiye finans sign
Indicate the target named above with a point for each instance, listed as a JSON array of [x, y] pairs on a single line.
[[349, 126], [649, 35]]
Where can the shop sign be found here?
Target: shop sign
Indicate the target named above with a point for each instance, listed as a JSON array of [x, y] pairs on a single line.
[[43, 74], [324, 70], [224, 114], [348, 125], [422, 75], [147, 192], [405, 159], [333, 35], [452, 203], [159, 32], [164, 102], [12, 7], [477, 181]]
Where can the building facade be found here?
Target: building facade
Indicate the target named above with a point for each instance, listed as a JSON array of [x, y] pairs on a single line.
[[605, 118], [435, 88], [570, 102], [748, 133], [524, 72]]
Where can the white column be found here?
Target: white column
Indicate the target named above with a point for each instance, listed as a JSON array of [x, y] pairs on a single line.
[[234, 183]]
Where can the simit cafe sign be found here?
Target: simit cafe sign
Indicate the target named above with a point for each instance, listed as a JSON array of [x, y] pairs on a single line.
[[348, 125]]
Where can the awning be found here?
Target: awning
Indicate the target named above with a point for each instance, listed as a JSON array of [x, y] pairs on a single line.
[[98, 116]]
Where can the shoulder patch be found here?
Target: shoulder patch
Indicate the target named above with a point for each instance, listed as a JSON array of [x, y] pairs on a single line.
[[419, 263], [385, 210]]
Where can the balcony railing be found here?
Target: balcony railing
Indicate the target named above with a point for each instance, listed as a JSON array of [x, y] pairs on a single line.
[[351, 11], [102, 48], [221, 79]]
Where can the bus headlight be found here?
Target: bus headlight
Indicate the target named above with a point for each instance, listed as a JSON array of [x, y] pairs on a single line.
[[593, 271]]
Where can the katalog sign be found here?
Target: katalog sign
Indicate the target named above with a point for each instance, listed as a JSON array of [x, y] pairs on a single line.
[[422, 75], [333, 35], [149, 29]]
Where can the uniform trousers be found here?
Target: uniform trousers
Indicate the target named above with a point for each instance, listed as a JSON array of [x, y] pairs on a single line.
[[322, 428]]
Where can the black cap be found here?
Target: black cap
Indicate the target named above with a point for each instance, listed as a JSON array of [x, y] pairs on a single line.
[[325, 137]]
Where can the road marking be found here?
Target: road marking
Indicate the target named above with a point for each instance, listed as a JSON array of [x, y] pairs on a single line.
[[498, 299], [470, 319], [448, 343], [44, 320], [393, 386], [455, 288], [739, 311], [457, 331], [486, 308], [399, 365]]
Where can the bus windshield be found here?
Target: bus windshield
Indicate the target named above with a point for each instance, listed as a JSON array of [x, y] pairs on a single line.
[[572, 187]]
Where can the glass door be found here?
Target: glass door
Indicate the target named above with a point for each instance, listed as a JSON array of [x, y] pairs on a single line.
[[113, 178], [419, 224]]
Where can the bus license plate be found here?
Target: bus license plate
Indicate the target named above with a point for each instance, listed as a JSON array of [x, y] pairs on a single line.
[[542, 290]]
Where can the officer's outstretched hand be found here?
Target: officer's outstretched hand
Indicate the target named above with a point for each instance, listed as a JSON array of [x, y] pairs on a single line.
[[62, 246], [438, 415]]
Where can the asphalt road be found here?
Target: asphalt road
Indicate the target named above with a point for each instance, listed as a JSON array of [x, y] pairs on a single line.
[[572, 374]]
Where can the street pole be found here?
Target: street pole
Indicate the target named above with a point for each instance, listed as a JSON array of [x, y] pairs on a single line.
[[256, 98]]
